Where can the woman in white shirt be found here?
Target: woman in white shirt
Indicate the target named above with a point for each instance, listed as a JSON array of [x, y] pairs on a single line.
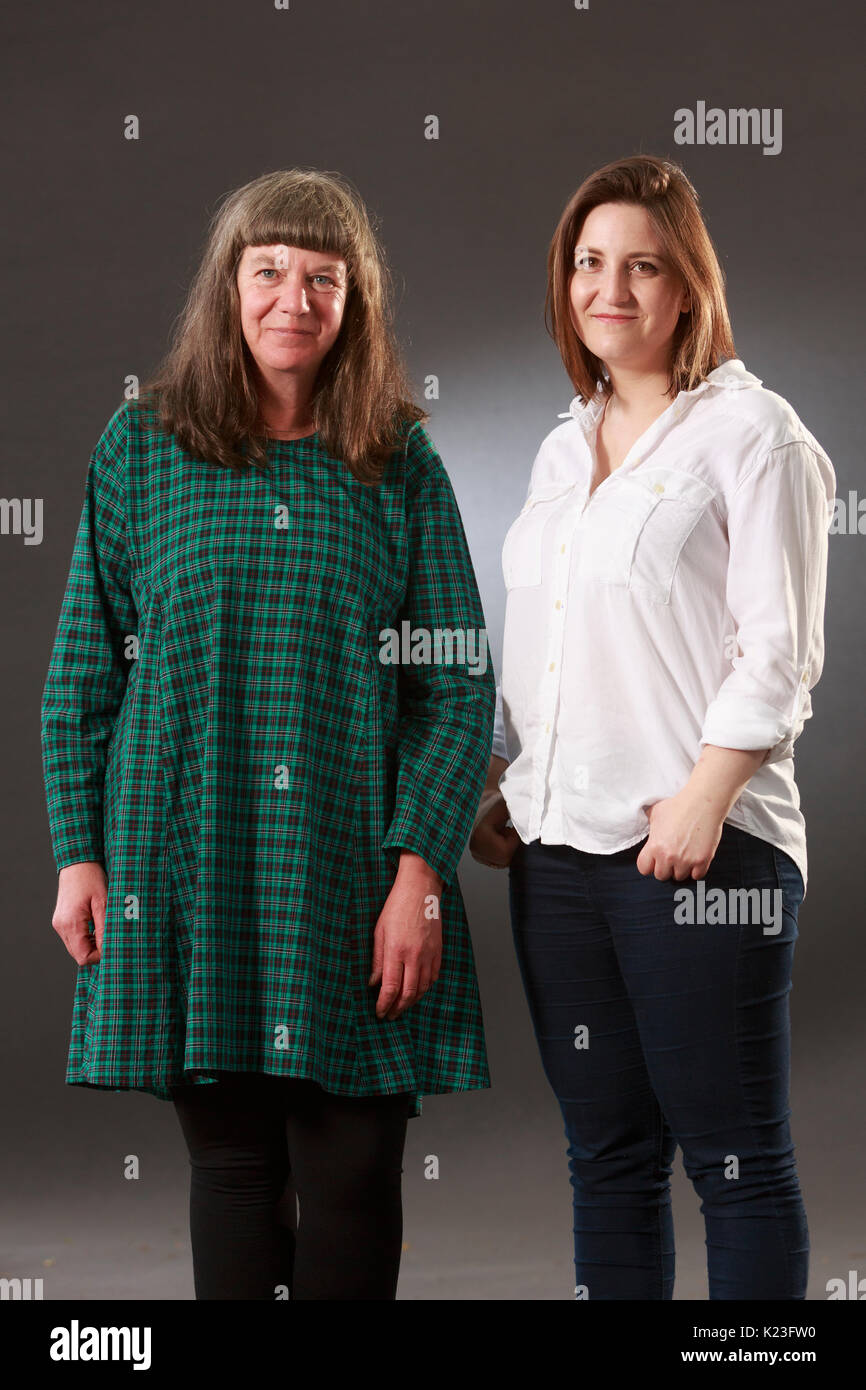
[[666, 582]]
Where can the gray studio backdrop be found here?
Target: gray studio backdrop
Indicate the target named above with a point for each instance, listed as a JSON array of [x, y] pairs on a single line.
[[102, 234]]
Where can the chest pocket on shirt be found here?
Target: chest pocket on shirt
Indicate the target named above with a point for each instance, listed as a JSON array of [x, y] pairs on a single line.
[[523, 547], [640, 527]]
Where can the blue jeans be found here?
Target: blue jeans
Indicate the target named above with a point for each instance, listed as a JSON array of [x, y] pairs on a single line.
[[656, 1032]]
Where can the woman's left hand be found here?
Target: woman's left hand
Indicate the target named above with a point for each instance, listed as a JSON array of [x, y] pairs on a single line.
[[684, 835], [407, 942], [685, 829]]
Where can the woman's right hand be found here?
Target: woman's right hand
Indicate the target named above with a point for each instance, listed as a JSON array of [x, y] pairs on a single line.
[[82, 892], [493, 841]]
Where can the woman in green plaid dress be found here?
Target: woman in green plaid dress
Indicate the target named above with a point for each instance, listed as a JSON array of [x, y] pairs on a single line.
[[266, 724]]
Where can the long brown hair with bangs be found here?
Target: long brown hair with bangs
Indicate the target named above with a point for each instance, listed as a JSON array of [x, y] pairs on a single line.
[[203, 391], [702, 339]]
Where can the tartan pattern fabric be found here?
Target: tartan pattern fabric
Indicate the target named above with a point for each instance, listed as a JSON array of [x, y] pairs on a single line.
[[219, 731]]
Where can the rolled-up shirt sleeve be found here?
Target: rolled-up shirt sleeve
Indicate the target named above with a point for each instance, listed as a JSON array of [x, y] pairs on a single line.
[[778, 523]]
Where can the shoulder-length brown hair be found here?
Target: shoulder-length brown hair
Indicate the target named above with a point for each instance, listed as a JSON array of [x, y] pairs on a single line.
[[702, 339], [204, 389]]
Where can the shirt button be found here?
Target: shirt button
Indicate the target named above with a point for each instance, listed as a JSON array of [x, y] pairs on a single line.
[[658, 487], [551, 666], [558, 604], [562, 550]]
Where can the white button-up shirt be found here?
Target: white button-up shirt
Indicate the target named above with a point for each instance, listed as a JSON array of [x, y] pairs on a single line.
[[682, 603]]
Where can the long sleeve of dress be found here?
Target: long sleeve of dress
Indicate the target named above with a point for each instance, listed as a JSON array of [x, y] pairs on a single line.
[[447, 708], [778, 522], [88, 669]]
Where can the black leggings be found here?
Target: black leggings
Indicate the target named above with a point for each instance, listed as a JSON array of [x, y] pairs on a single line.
[[247, 1135]]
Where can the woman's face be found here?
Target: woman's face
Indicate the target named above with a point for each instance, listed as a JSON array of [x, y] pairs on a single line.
[[625, 296], [291, 303]]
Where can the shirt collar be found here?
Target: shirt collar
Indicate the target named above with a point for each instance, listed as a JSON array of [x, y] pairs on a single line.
[[731, 375]]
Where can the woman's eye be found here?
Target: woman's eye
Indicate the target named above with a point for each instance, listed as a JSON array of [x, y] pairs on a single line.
[[586, 262], [270, 270]]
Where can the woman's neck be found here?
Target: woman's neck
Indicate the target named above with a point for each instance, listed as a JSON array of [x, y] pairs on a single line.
[[638, 395]]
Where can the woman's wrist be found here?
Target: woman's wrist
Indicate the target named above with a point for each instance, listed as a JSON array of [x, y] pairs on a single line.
[[491, 796], [495, 770], [414, 868]]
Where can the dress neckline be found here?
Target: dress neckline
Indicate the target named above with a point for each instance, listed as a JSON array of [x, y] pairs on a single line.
[[299, 439]]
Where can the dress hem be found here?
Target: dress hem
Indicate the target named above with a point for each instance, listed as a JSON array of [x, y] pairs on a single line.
[[162, 1090]]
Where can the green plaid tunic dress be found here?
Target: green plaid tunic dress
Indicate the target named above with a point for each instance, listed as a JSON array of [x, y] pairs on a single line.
[[220, 731]]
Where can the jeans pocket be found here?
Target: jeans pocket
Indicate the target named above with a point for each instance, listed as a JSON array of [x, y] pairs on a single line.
[[789, 878]]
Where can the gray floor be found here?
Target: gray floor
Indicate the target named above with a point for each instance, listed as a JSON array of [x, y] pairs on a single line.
[[496, 1224]]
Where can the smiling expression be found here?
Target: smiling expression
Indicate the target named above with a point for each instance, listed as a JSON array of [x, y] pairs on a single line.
[[291, 306], [625, 296]]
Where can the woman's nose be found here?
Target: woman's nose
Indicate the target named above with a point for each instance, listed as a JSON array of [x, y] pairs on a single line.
[[615, 287], [293, 296]]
